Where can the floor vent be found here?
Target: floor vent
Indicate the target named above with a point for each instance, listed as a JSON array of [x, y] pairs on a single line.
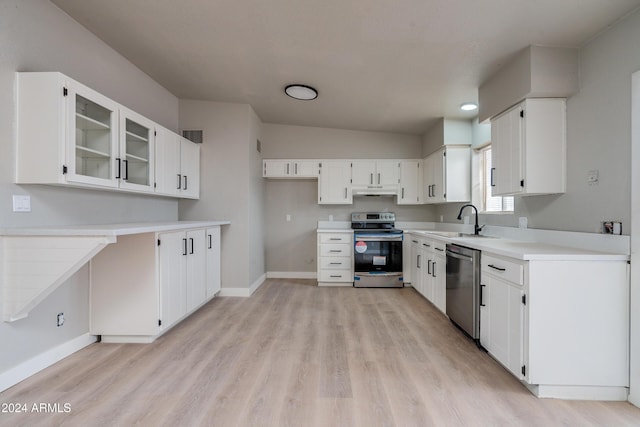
[[193, 135]]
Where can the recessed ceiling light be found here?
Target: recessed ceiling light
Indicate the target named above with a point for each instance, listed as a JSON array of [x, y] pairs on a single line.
[[469, 106], [303, 92]]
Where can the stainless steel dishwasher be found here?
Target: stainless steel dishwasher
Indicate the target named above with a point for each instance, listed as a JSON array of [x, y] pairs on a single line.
[[463, 288]]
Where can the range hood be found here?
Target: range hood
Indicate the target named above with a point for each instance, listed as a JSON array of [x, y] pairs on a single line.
[[375, 191]]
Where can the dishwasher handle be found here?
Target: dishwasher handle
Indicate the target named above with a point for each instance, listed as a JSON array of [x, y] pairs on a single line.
[[458, 256]]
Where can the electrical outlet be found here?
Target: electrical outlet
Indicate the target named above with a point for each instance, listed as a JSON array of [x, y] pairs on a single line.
[[612, 227], [288, 218], [60, 320]]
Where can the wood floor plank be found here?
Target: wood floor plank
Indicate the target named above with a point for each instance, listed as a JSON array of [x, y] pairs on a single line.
[[295, 354]]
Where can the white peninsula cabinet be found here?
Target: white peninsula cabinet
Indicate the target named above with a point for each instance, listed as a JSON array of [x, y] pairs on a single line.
[[528, 148], [560, 326], [428, 269], [147, 282]]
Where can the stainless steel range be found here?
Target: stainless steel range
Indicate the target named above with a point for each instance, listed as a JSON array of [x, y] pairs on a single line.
[[377, 249]]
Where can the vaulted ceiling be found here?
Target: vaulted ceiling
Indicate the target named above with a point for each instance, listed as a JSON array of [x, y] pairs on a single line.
[[378, 65]]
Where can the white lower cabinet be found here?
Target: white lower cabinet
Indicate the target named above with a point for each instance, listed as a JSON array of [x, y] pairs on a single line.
[[428, 269], [502, 314], [335, 258], [561, 326], [146, 283], [213, 261]]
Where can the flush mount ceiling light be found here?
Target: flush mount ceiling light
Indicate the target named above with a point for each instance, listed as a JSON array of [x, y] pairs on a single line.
[[469, 106], [303, 92]]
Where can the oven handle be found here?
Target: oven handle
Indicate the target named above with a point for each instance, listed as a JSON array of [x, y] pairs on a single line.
[[379, 238], [377, 274], [458, 256]]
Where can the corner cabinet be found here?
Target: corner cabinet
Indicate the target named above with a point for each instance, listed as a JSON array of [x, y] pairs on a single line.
[[410, 187], [68, 134], [528, 148], [447, 175], [144, 284]]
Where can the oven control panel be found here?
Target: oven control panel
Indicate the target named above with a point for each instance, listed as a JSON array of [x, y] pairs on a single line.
[[373, 217]]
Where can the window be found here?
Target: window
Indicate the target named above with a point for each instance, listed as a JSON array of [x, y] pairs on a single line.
[[488, 202]]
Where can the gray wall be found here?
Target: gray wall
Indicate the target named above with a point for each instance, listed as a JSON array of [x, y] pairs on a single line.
[[36, 36], [291, 246], [598, 138], [229, 185]]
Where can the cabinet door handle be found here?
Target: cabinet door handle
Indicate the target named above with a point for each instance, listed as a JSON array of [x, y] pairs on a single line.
[[336, 276], [414, 241], [429, 267], [439, 249], [191, 243], [433, 270], [402, 196], [497, 268], [287, 168], [418, 262], [492, 171], [295, 169], [184, 246], [335, 263], [345, 192], [126, 169], [434, 190], [482, 304], [378, 178], [210, 242], [119, 169], [335, 238], [179, 181], [371, 178], [185, 182], [334, 251]]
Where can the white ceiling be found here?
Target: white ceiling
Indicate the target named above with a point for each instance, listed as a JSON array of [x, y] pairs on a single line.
[[381, 65]]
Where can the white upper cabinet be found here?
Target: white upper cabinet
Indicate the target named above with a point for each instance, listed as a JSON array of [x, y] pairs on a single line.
[[68, 134], [168, 172], [135, 163], [410, 191], [190, 169], [334, 183], [280, 168], [375, 174], [447, 175], [528, 148]]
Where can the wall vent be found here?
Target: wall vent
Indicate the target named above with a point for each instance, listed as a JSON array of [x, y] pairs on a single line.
[[193, 135]]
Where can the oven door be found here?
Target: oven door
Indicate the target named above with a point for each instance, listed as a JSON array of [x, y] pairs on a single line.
[[378, 260]]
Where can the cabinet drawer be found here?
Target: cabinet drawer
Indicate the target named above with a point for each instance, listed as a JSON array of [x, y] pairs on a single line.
[[333, 263], [500, 267], [335, 276], [336, 249], [335, 238]]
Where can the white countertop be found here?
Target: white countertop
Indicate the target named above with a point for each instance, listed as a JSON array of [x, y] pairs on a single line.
[[524, 250], [108, 229]]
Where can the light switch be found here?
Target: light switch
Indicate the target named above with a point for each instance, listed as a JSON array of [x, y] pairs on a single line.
[[288, 218], [21, 203]]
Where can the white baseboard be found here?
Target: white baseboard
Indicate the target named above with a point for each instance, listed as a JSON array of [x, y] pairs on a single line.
[[36, 364], [292, 275], [579, 392], [243, 292]]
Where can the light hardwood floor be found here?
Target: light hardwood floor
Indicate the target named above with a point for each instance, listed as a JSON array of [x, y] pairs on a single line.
[[297, 355]]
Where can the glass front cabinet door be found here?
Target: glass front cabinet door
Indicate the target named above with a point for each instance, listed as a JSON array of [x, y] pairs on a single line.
[[135, 162], [92, 137]]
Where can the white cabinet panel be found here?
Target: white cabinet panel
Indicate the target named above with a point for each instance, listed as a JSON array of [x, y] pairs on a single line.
[[528, 148], [285, 168], [334, 183], [410, 191], [213, 261], [447, 175]]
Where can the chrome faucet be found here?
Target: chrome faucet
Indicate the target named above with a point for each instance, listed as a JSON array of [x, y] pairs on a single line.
[[476, 228]]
